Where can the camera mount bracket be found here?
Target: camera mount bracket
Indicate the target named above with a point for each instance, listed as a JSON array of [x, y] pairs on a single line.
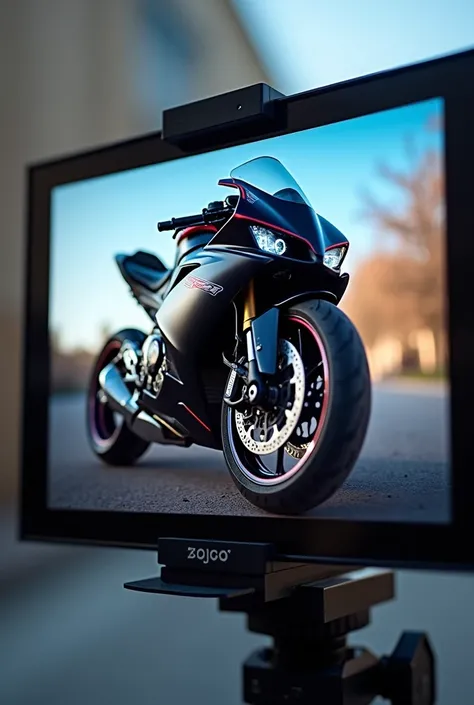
[[309, 610], [200, 568]]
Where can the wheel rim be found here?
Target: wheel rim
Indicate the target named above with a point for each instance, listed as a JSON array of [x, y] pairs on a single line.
[[103, 422], [290, 458], [262, 433]]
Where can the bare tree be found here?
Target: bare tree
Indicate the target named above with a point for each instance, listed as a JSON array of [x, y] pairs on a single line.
[[378, 300], [402, 287]]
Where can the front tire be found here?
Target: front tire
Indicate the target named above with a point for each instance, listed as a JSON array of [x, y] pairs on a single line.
[[331, 449], [109, 437]]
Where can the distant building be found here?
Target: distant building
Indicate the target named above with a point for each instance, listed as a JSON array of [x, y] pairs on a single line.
[[185, 50]]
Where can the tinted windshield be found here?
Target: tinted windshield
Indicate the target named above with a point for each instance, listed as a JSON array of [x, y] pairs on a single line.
[[269, 175]]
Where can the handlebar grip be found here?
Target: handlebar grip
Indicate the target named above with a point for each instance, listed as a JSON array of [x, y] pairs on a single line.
[[180, 222], [200, 219], [165, 225]]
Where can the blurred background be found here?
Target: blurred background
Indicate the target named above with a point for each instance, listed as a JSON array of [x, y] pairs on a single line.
[[79, 73]]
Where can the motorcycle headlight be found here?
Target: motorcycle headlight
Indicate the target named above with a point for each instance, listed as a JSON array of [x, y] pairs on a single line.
[[334, 257], [268, 241]]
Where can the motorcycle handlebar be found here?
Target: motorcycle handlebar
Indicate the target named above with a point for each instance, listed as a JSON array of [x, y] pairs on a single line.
[[180, 222], [206, 216]]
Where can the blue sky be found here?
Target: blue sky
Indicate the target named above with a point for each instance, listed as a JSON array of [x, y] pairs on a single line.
[[307, 44], [95, 219]]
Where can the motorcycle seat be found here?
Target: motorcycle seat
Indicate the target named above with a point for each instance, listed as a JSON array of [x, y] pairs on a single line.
[[144, 268]]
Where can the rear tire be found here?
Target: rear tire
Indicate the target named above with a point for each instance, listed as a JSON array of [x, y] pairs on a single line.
[[340, 434], [114, 444]]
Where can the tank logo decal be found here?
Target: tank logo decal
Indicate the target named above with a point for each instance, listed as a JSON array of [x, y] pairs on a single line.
[[193, 282]]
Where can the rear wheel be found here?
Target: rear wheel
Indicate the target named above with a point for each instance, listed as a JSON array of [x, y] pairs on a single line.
[[294, 457], [109, 437]]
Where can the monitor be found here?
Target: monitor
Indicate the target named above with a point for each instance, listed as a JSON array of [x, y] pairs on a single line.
[[270, 340]]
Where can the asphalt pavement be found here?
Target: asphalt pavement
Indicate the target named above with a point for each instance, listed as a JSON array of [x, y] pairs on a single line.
[[402, 473]]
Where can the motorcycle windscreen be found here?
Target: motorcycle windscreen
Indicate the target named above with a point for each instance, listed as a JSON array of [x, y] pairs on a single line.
[[270, 189]]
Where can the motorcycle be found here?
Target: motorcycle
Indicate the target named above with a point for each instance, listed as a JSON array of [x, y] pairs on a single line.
[[248, 351]]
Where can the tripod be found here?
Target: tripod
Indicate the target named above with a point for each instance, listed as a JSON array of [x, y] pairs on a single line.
[[309, 610]]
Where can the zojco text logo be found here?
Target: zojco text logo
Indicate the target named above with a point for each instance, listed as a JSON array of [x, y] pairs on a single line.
[[208, 555]]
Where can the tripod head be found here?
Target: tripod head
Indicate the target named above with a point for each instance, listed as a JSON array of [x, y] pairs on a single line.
[[309, 610]]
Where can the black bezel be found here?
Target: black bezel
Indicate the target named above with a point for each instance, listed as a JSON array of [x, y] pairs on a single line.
[[387, 544]]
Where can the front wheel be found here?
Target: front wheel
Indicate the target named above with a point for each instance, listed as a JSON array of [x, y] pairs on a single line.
[[294, 457]]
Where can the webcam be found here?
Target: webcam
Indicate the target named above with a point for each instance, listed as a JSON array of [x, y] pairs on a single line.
[[226, 117]]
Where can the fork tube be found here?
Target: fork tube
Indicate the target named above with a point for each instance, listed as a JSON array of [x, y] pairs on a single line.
[[249, 305]]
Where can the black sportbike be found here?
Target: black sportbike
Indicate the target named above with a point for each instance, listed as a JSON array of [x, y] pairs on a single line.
[[248, 351]]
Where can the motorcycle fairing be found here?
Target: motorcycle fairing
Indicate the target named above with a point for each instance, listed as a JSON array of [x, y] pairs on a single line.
[[295, 219], [332, 235], [192, 238], [272, 212], [199, 300], [195, 308]]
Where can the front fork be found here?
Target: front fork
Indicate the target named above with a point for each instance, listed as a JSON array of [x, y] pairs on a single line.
[[261, 338]]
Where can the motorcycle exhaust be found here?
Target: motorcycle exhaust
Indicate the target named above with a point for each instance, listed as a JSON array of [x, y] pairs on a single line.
[[152, 431], [117, 393], [140, 422]]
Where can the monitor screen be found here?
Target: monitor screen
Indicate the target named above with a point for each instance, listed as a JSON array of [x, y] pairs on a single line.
[[281, 352]]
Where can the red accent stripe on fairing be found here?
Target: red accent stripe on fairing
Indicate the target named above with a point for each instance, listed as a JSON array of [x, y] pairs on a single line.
[[339, 244], [224, 182], [180, 403]]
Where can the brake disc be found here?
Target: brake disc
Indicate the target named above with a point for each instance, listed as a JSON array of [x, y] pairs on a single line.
[[264, 438]]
